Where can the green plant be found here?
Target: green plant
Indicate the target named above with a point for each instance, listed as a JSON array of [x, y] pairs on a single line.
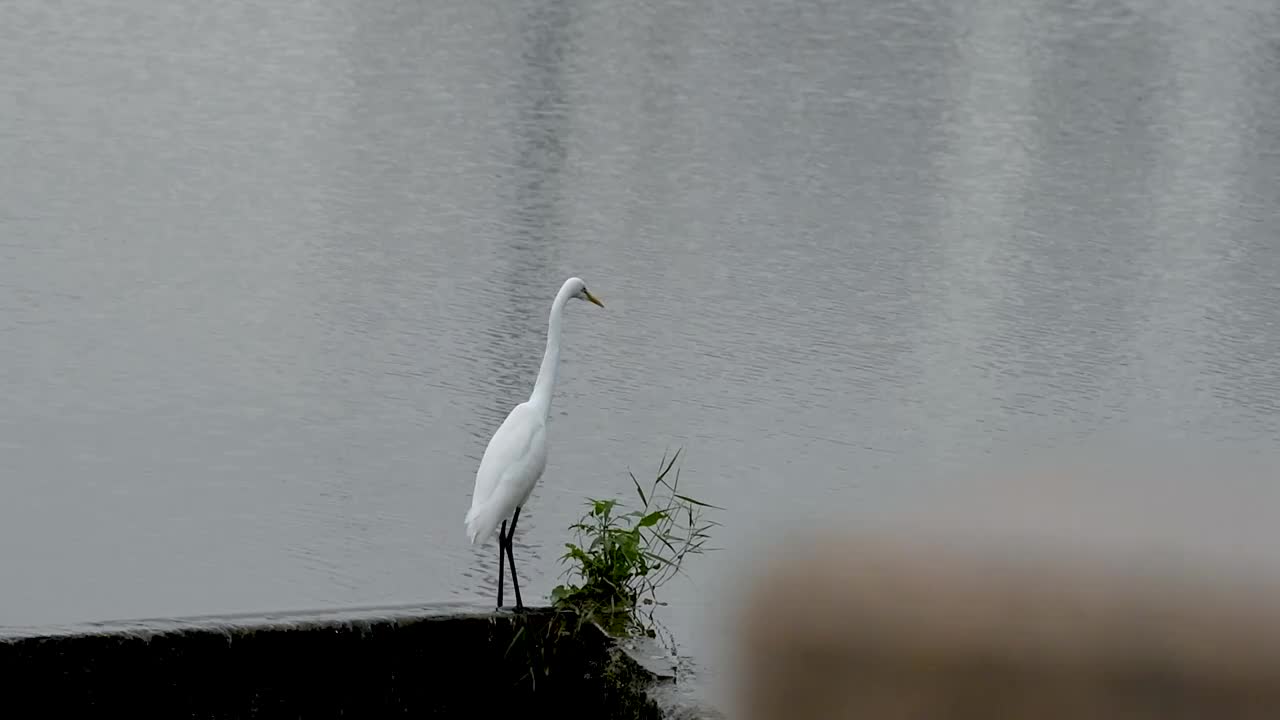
[[620, 559]]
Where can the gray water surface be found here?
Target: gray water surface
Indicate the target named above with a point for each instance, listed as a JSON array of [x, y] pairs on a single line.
[[270, 275]]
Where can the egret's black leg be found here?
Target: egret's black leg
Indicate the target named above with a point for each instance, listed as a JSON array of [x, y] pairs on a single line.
[[501, 544], [511, 559]]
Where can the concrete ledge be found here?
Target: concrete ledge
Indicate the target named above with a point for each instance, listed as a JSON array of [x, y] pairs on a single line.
[[435, 661]]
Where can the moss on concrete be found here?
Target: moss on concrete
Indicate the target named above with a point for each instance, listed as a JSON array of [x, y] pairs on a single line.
[[441, 661]]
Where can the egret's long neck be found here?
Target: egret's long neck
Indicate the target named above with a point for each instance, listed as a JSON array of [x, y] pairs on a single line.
[[542, 388]]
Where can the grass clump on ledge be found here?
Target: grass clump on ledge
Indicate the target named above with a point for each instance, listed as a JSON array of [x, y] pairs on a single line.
[[620, 559]]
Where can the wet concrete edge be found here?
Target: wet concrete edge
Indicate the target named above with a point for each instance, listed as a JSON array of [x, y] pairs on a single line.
[[637, 685]]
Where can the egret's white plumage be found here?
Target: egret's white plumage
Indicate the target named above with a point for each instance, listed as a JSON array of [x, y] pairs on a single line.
[[511, 466], [516, 455]]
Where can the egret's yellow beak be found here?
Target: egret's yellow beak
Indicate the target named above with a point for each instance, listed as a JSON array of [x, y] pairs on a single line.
[[591, 297]]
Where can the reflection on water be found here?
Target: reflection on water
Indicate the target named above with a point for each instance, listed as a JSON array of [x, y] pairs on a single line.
[[269, 281]]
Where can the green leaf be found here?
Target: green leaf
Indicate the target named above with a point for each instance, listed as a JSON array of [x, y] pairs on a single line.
[[640, 491], [652, 518], [663, 474], [699, 503]]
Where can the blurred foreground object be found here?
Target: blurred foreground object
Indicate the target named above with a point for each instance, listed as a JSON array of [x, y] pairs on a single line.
[[850, 628]]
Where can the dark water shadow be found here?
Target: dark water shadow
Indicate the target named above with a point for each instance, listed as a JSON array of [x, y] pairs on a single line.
[[532, 235], [1071, 298]]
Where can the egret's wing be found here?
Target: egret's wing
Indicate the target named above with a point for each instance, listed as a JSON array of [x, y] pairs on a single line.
[[507, 448]]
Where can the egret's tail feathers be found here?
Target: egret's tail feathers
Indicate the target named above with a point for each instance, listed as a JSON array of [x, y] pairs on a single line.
[[481, 521]]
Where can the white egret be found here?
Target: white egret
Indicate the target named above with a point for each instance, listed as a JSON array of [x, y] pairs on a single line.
[[517, 453]]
